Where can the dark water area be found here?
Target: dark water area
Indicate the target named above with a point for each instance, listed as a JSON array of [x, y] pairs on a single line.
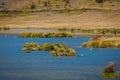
[[87, 65]]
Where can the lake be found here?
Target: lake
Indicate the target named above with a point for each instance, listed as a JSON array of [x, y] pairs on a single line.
[[87, 65]]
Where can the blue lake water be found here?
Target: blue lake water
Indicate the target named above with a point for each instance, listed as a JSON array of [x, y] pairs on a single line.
[[87, 65]]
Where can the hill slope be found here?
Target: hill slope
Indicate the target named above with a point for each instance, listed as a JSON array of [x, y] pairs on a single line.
[[58, 4], [84, 13]]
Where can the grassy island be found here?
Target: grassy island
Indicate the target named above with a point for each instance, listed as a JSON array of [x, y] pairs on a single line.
[[55, 48], [102, 42], [110, 72], [63, 52], [44, 35], [28, 47]]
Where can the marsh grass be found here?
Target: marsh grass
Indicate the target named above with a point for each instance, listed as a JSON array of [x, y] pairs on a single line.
[[63, 52], [102, 31], [102, 42], [110, 71], [110, 75], [44, 35], [55, 49]]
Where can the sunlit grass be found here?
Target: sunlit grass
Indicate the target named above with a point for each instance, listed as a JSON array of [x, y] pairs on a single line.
[[55, 49], [45, 35], [102, 42]]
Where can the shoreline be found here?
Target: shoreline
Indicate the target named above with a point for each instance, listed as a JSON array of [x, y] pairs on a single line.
[[74, 34], [84, 32]]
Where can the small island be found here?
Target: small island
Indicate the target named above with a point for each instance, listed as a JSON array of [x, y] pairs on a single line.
[[63, 52], [102, 42], [55, 49], [45, 35], [110, 71]]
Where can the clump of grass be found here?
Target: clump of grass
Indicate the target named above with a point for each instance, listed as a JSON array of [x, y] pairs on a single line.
[[45, 35], [55, 49], [28, 47], [110, 68], [102, 31], [63, 52], [109, 71], [50, 47], [102, 42], [110, 75], [62, 29]]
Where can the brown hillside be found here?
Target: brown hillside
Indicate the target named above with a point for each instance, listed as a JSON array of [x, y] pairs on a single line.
[[59, 4]]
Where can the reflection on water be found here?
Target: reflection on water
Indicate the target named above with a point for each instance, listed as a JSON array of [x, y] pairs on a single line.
[[87, 65]]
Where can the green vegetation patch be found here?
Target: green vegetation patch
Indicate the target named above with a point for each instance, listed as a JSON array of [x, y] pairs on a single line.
[[110, 75], [109, 71], [102, 42], [28, 47], [55, 49], [63, 52], [102, 31], [44, 35]]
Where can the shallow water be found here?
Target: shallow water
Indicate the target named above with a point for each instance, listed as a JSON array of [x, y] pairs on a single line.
[[87, 65]]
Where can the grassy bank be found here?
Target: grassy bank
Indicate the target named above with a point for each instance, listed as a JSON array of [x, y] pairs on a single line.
[[102, 42]]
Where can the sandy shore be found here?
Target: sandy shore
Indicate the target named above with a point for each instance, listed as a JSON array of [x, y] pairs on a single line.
[[87, 19]]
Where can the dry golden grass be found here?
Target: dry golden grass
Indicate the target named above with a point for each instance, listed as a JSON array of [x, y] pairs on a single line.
[[88, 19]]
